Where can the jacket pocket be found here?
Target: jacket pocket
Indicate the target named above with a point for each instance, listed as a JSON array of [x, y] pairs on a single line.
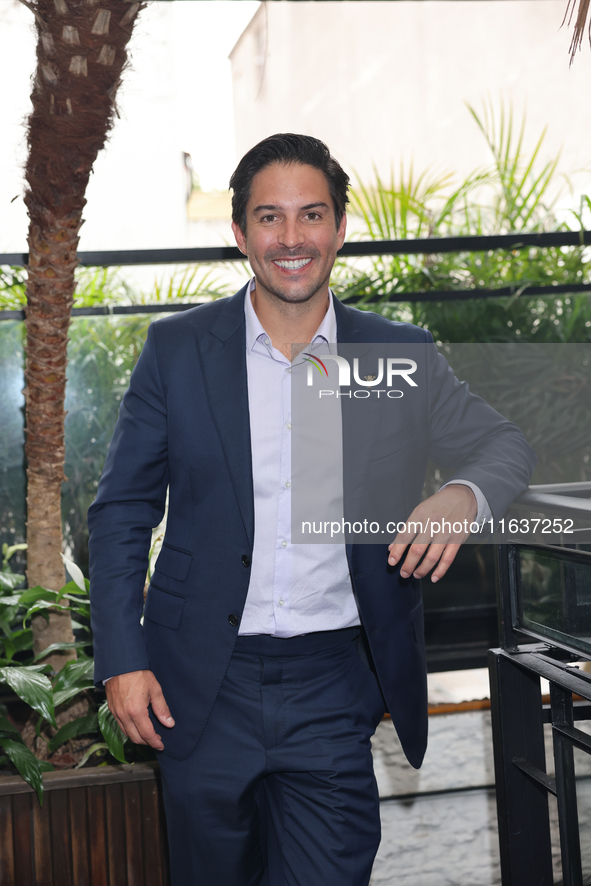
[[163, 608], [173, 562]]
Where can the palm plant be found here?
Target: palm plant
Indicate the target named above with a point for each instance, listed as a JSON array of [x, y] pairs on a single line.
[[515, 193], [90, 731], [81, 53], [580, 24]]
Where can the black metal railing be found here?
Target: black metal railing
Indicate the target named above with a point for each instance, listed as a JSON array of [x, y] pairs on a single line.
[[416, 246], [544, 595]]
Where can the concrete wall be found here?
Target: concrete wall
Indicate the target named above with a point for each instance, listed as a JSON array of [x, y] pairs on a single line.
[[385, 81]]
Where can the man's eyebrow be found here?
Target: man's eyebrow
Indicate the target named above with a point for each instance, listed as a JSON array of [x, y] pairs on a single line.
[[270, 207]]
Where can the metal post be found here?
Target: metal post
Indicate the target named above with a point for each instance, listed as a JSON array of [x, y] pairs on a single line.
[[522, 801], [566, 789], [507, 566]]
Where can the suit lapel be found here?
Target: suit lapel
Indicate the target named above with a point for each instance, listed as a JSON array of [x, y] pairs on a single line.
[[222, 353], [352, 341]]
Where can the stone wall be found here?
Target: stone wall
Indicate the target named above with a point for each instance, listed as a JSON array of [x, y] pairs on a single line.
[[439, 823]]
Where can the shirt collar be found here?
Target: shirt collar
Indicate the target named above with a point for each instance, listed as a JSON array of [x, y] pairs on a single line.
[[327, 331]]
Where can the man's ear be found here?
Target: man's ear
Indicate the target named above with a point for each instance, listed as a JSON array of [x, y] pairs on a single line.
[[240, 238], [341, 231]]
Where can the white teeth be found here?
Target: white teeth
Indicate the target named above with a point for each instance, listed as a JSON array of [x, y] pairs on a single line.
[[294, 264]]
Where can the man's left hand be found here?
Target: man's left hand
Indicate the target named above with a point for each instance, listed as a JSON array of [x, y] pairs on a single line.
[[454, 504]]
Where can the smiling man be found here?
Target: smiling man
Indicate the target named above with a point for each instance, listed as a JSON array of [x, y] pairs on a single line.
[[277, 661]]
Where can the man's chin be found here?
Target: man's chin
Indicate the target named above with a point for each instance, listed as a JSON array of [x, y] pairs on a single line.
[[294, 296]]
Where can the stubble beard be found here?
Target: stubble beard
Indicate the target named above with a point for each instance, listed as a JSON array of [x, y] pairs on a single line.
[[285, 294]]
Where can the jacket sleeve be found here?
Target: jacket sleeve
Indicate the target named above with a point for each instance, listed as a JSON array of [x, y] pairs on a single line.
[[476, 441], [130, 502]]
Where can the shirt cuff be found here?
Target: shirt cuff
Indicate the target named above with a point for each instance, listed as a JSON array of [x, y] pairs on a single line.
[[484, 512]]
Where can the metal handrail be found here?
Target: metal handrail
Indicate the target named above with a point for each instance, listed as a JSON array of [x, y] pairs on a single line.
[[549, 502], [414, 246]]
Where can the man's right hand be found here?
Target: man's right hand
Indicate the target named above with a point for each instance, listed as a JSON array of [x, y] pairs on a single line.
[[128, 697]]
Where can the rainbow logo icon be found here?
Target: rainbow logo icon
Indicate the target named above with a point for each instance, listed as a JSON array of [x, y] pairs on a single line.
[[317, 362]]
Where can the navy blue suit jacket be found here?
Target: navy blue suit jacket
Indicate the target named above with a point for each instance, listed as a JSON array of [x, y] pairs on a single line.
[[184, 426]]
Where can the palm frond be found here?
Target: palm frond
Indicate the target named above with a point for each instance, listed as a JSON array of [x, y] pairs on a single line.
[[580, 24]]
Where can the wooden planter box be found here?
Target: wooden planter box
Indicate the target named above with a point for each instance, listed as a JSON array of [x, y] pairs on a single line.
[[98, 827]]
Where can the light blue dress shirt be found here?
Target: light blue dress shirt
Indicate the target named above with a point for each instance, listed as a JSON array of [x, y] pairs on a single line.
[[300, 588], [294, 589]]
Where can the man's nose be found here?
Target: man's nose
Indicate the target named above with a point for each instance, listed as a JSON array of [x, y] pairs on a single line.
[[291, 234]]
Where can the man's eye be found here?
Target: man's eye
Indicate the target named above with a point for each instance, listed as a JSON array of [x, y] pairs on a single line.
[[268, 218], [313, 216]]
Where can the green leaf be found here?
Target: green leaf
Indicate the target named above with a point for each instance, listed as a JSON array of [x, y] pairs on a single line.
[[65, 694], [59, 647], [72, 592], [10, 600], [9, 550], [112, 733], [19, 640], [43, 608], [33, 687], [74, 673], [79, 607], [27, 764], [31, 595], [80, 726], [10, 580], [94, 749], [7, 726], [76, 573]]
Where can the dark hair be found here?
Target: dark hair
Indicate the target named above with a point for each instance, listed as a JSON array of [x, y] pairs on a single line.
[[288, 147]]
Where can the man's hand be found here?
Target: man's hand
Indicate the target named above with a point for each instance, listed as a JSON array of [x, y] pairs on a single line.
[[128, 696], [454, 504]]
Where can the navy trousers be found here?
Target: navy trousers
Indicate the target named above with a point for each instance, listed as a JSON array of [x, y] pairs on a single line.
[[280, 790]]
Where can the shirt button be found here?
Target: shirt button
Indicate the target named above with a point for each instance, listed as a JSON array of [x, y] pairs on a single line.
[[288, 426], [289, 369], [288, 484], [283, 544], [267, 341], [233, 620], [282, 602], [245, 560]]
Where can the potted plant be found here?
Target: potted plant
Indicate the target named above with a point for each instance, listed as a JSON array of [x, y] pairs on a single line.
[[83, 800]]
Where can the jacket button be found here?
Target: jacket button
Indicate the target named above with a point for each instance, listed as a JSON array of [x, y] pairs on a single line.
[[245, 560], [234, 620]]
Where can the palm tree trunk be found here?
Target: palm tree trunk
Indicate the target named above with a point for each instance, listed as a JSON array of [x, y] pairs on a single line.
[[80, 56]]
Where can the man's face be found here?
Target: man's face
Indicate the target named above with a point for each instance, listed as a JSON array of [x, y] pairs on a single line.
[[291, 237]]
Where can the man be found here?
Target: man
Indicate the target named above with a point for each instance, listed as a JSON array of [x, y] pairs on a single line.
[[262, 668]]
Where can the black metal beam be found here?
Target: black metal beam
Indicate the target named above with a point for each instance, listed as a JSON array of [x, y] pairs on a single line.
[[515, 290], [522, 801], [552, 503], [561, 700], [537, 774], [429, 295], [506, 562], [542, 666], [417, 246]]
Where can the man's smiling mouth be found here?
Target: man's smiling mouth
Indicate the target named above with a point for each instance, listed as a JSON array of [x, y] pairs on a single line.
[[292, 264]]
